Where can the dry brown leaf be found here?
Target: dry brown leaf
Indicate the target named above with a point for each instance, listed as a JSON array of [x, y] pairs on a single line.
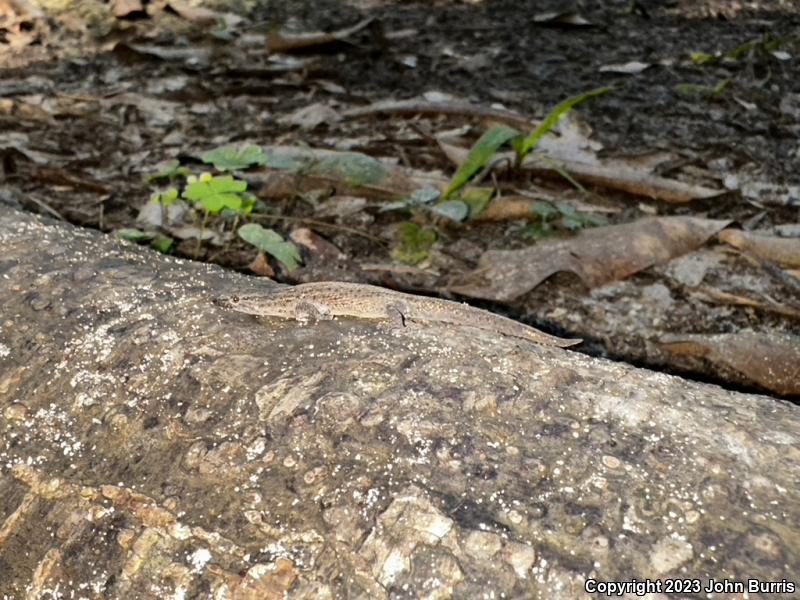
[[771, 360], [597, 256], [317, 245], [195, 14], [69, 179], [720, 297], [633, 176], [288, 42], [784, 251], [126, 8], [22, 8], [511, 208], [260, 266], [309, 117], [616, 174]]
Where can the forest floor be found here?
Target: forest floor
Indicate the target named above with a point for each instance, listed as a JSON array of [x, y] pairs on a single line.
[[659, 219]]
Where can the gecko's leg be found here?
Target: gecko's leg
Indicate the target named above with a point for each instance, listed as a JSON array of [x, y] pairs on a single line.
[[305, 311], [397, 313]]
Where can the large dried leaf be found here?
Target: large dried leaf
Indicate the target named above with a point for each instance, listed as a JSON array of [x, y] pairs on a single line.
[[770, 360], [597, 256], [784, 251]]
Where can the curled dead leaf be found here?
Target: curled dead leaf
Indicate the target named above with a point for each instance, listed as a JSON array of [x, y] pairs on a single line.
[[597, 256], [784, 251], [771, 360]]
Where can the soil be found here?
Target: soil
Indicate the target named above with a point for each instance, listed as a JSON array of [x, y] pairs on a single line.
[[74, 145]]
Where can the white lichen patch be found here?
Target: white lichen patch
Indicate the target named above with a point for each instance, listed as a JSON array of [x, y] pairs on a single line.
[[669, 553], [199, 559]]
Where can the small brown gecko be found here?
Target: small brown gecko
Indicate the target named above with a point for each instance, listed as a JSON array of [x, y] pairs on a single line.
[[329, 299]]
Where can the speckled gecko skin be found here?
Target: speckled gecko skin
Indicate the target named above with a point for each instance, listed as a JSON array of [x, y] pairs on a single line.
[[326, 300]]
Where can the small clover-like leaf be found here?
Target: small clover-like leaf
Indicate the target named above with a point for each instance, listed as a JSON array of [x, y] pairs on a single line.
[[233, 158], [544, 210], [217, 193], [168, 171], [272, 243], [455, 210], [162, 243], [425, 195], [476, 198], [165, 197]]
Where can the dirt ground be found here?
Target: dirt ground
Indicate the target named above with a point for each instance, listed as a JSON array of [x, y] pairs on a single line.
[[92, 102]]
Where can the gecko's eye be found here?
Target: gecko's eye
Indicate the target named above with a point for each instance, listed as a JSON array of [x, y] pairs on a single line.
[[235, 299]]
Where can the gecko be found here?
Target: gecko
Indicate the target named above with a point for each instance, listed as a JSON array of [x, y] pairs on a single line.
[[329, 299]]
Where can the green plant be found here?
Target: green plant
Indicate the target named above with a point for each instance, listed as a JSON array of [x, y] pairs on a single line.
[[272, 243], [425, 200], [219, 196], [235, 158], [526, 145], [559, 216], [413, 243], [497, 136], [157, 241], [169, 171], [215, 193]]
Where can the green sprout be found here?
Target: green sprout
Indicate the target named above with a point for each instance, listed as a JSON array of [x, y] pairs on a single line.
[[553, 216], [487, 146]]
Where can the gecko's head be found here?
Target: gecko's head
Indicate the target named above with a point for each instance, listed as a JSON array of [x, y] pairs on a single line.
[[240, 303]]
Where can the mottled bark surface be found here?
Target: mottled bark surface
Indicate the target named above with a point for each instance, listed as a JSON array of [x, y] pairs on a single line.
[[155, 446]]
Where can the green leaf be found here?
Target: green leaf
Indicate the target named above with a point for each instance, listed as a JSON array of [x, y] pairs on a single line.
[[476, 198], [701, 58], [272, 243], [552, 119], [217, 193], [414, 243], [702, 91], [162, 243], [170, 170], [284, 161], [354, 168], [480, 155], [743, 50], [165, 197], [544, 210], [572, 222], [538, 231], [455, 210], [425, 195], [419, 197], [133, 235], [233, 158]]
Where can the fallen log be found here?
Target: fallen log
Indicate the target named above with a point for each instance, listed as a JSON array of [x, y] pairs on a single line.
[[153, 445]]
